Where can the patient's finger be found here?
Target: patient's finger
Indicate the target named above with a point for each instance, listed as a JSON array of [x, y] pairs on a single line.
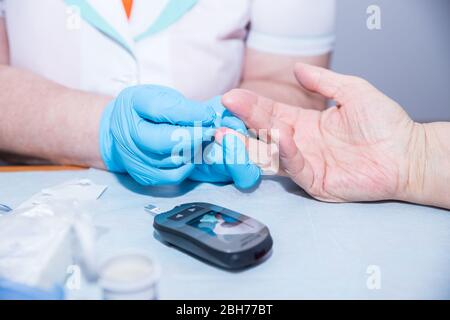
[[265, 156], [327, 83], [259, 112]]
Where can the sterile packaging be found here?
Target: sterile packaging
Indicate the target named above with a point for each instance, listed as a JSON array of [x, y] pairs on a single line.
[[40, 239]]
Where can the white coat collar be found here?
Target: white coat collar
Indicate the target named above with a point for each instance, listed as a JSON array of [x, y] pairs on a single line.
[[109, 18]]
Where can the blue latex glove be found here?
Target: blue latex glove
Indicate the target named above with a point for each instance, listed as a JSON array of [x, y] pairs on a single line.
[[136, 133], [16, 291], [229, 162]]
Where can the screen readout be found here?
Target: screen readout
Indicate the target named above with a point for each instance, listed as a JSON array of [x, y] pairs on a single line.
[[219, 224]]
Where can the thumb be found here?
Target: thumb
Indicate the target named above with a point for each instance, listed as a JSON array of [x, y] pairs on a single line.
[[292, 160], [330, 84]]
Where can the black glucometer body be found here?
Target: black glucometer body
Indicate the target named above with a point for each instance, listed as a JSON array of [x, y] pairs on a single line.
[[220, 236]]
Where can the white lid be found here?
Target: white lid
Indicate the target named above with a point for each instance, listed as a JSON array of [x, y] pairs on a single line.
[[129, 272]]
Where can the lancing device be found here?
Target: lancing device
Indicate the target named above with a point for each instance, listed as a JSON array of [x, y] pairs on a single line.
[[220, 236]]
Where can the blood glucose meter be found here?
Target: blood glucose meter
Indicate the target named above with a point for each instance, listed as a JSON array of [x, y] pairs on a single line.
[[220, 236]]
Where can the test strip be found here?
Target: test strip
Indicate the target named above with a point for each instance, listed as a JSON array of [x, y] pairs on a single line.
[[154, 210]]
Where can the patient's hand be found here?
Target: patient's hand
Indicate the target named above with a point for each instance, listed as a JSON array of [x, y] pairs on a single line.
[[359, 150]]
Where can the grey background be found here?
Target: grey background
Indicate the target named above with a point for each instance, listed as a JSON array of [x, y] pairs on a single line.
[[408, 59]]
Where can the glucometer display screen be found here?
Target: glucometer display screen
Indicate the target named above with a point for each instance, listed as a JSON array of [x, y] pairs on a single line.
[[220, 225]]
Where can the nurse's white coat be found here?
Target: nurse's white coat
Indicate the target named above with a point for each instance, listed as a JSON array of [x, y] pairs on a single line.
[[201, 54]]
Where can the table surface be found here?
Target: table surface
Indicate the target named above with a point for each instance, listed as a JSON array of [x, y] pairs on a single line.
[[320, 250]]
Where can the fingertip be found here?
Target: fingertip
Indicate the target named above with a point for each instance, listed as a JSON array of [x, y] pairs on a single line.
[[229, 97], [229, 140], [250, 179], [230, 136], [238, 100], [253, 177], [220, 133]]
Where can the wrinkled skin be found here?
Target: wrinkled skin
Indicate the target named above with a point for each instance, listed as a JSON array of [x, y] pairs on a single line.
[[358, 150]]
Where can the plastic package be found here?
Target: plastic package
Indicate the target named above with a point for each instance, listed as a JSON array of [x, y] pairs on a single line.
[[52, 231], [40, 239]]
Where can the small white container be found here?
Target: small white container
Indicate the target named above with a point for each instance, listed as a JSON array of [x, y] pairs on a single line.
[[130, 276]]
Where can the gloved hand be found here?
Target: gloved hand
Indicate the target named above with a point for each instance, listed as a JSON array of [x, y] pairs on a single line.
[[229, 162], [16, 291], [137, 128]]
